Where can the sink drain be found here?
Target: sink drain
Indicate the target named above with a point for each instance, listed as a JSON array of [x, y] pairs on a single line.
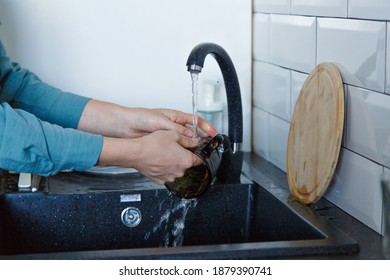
[[131, 216]]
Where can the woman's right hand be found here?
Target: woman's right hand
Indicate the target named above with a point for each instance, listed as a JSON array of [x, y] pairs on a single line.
[[162, 156]]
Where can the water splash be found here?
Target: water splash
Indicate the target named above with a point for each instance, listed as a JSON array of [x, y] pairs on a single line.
[[176, 233], [179, 224], [194, 78]]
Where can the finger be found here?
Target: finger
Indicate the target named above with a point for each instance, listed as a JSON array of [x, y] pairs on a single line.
[[191, 142], [180, 117], [176, 120], [187, 142], [184, 130], [207, 127], [182, 120]]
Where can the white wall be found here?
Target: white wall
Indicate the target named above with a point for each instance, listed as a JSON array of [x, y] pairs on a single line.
[[290, 38], [126, 51]]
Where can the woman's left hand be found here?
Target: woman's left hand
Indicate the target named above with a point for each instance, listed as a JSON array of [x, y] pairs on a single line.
[[113, 120], [151, 120]]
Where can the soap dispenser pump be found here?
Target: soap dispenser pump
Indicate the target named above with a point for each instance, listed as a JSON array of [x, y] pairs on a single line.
[[209, 107]]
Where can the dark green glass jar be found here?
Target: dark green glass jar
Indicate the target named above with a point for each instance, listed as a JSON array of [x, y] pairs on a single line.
[[198, 178]]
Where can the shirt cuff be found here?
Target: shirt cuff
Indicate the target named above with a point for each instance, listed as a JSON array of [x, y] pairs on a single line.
[[30, 145]]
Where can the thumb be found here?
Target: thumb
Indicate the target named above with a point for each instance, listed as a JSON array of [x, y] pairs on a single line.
[[191, 142]]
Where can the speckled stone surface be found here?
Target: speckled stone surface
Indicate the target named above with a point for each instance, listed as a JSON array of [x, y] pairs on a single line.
[[80, 218]]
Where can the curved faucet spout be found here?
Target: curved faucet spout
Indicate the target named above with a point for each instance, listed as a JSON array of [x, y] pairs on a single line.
[[195, 63]]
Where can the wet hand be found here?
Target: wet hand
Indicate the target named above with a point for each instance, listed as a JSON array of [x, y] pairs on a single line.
[[112, 120], [146, 121], [166, 156], [162, 156]]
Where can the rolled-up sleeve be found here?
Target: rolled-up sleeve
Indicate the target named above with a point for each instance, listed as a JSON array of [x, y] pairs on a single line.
[[37, 125], [28, 144]]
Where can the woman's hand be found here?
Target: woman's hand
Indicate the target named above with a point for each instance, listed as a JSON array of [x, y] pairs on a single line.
[[150, 120], [153, 141], [162, 155], [113, 120]]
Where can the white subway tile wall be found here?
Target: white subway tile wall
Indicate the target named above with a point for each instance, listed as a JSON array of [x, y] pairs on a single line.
[[369, 9], [297, 80], [368, 125], [289, 39], [261, 133], [261, 39], [358, 48], [344, 140], [356, 189], [328, 8], [272, 6], [293, 42], [272, 89], [386, 171], [387, 87], [278, 136]]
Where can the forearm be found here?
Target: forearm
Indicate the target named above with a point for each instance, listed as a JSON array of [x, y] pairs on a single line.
[[120, 152], [106, 119]]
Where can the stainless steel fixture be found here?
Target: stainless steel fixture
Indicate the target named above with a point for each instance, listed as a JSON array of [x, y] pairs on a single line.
[[131, 217]]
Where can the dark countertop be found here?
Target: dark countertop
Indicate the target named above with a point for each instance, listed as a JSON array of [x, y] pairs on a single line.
[[254, 168], [275, 181]]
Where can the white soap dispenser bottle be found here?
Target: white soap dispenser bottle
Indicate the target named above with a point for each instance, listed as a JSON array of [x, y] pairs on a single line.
[[209, 107]]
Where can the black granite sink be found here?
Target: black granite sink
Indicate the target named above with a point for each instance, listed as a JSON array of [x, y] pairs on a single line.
[[229, 221]]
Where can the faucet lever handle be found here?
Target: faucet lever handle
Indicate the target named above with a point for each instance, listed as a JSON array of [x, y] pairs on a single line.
[[24, 180]]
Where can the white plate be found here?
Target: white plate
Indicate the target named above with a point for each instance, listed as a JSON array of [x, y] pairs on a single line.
[[111, 170]]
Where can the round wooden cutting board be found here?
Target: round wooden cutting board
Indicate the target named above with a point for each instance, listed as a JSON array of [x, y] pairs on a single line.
[[316, 130]]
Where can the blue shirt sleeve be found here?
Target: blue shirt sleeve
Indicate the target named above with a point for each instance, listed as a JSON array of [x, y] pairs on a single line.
[[24, 90], [30, 145], [37, 134]]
